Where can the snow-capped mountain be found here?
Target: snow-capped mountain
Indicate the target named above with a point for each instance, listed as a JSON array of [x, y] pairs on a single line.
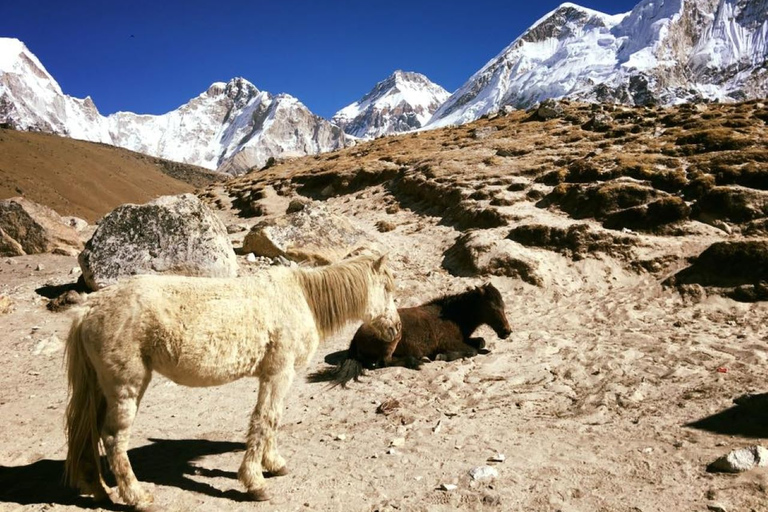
[[230, 127], [663, 51], [404, 101]]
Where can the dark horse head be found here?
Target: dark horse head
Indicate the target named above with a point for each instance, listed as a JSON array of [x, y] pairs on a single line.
[[492, 311]]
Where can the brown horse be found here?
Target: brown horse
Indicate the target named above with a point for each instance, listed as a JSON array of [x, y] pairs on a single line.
[[438, 330]]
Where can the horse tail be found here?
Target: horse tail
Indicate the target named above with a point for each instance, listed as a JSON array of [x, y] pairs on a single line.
[[339, 375], [86, 409]]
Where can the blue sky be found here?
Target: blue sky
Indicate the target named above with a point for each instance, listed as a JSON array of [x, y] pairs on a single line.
[[152, 56]]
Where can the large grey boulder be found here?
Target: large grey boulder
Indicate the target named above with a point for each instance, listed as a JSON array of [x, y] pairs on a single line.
[[172, 234], [30, 228], [311, 235]]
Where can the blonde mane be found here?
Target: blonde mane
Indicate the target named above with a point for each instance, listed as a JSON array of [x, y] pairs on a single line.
[[338, 293]]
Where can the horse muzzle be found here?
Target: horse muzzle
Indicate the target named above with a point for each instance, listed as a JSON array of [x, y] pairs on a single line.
[[394, 331]]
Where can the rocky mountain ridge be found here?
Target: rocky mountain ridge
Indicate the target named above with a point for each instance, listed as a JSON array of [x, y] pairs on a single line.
[[230, 127], [659, 53], [402, 102]]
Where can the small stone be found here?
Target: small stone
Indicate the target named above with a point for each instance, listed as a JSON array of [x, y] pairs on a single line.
[[740, 460], [448, 487], [391, 451], [40, 267], [437, 427], [6, 305], [74, 271], [387, 406], [499, 457], [398, 441], [235, 228], [716, 507], [250, 258], [340, 437], [483, 473]]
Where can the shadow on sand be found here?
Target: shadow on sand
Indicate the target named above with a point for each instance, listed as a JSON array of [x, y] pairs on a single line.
[[747, 418], [163, 462]]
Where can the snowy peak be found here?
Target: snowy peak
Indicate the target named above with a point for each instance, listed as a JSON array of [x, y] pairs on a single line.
[[16, 59], [562, 22], [664, 52], [402, 102], [30, 98], [231, 126]]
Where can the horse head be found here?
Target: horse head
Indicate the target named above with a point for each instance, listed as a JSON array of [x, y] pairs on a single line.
[[385, 329], [494, 313], [381, 308]]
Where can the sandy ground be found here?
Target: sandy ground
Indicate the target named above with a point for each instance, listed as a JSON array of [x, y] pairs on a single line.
[[606, 397]]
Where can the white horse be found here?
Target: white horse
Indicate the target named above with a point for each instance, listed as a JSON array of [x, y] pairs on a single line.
[[204, 332]]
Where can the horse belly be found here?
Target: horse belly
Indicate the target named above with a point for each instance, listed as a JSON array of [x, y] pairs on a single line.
[[199, 363]]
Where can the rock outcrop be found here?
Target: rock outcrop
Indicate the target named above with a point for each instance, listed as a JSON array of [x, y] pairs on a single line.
[[30, 228], [172, 234], [311, 235]]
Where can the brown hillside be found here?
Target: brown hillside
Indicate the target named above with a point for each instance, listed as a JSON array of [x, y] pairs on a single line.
[[86, 179]]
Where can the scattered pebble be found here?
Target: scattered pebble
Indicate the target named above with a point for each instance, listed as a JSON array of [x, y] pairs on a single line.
[[250, 258], [483, 473], [448, 487], [74, 270], [437, 427], [6, 305], [716, 507], [388, 406], [391, 451], [340, 437], [499, 457], [40, 267], [398, 441]]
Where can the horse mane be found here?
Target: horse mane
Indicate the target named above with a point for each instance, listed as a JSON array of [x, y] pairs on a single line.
[[455, 303], [337, 293]]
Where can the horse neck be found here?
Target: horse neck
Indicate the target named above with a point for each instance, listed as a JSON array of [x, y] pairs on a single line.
[[336, 294], [464, 311]]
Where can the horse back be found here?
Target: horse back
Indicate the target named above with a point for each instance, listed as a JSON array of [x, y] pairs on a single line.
[[200, 331]]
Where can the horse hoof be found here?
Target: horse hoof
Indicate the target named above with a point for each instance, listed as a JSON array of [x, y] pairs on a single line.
[[279, 472], [259, 495], [148, 507]]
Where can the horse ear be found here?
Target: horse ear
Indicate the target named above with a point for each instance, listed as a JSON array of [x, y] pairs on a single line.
[[379, 263]]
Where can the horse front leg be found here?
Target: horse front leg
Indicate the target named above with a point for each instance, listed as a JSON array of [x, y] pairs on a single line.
[[122, 406], [261, 453]]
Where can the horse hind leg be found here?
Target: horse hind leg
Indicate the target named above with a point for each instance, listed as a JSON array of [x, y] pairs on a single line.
[[261, 452], [122, 405]]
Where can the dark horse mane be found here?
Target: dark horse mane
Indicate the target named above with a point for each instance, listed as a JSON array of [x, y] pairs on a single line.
[[438, 329]]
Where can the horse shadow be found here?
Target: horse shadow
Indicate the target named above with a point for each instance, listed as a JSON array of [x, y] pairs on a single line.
[[747, 418], [167, 462]]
